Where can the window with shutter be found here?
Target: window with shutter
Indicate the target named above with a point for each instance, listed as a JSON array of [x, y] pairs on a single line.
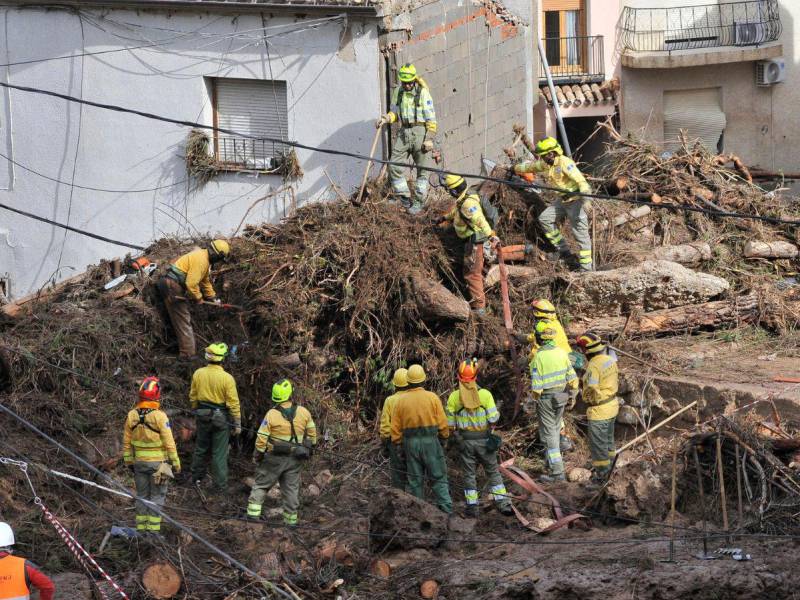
[[699, 113], [253, 108]]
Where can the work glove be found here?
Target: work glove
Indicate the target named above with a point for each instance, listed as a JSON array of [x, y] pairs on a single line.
[[573, 398], [257, 457], [217, 300], [381, 122], [237, 429], [427, 146], [522, 338], [494, 241], [176, 467]]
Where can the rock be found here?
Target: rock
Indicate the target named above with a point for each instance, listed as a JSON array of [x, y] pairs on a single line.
[[249, 482], [636, 491], [542, 522], [578, 475], [323, 479], [72, 586], [650, 285], [313, 490], [401, 521]]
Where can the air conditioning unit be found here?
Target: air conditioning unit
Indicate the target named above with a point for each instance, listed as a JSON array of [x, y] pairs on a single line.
[[770, 72], [748, 34]]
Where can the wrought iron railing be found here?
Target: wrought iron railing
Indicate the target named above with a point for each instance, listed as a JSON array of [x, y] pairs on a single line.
[[247, 153], [573, 59], [748, 23]]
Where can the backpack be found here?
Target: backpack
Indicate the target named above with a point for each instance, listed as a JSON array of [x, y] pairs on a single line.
[[488, 209]]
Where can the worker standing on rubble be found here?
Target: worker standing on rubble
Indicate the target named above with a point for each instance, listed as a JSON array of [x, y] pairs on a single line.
[[551, 375], [600, 386], [17, 575], [285, 440], [215, 403], [418, 425], [412, 106], [397, 469], [471, 225], [148, 448], [561, 172], [471, 415], [188, 280]]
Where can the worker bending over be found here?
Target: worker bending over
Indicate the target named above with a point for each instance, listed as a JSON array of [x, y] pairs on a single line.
[[188, 280], [148, 448], [551, 375], [412, 108], [418, 425], [471, 414], [470, 225], [397, 469], [561, 172], [285, 440], [19, 577], [215, 403], [600, 386]]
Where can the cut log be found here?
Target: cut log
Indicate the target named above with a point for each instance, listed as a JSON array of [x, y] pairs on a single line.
[[757, 249], [685, 254], [636, 213], [289, 361], [429, 589], [531, 275], [437, 302], [680, 320], [650, 285], [380, 568], [120, 292], [161, 580]]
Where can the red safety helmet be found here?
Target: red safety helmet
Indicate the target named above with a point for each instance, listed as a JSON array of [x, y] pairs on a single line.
[[590, 343], [468, 370], [150, 389]]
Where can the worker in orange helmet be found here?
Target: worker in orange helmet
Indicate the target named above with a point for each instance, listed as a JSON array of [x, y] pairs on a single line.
[[471, 415]]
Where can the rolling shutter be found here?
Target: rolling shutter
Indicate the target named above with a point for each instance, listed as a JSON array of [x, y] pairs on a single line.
[[699, 112], [251, 107]]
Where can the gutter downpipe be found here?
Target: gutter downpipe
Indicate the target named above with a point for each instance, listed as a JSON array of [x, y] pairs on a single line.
[[556, 108]]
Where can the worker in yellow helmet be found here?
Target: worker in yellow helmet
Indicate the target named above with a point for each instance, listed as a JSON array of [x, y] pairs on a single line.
[[600, 386], [397, 468], [215, 401], [285, 440], [412, 108], [148, 448], [555, 385], [561, 172], [472, 226], [188, 280]]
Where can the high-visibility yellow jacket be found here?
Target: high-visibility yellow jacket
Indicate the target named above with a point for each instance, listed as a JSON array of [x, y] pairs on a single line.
[[414, 107], [476, 419], [600, 386], [148, 437], [551, 371], [561, 338], [421, 411], [563, 174], [386, 414], [468, 218], [195, 268], [275, 426], [213, 385]]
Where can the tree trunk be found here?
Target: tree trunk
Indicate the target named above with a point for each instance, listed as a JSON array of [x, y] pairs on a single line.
[[437, 302], [685, 254], [756, 249], [531, 275], [673, 320], [636, 213], [161, 580]]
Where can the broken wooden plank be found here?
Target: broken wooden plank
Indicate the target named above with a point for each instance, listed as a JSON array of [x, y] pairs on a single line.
[[759, 249]]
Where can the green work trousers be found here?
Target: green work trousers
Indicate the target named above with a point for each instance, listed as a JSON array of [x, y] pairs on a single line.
[[146, 518], [397, 468], [425, 457], [575, 212], [408, 147], [601, 445], [212, 437], [474, 453], [550, 411], [285, 471]]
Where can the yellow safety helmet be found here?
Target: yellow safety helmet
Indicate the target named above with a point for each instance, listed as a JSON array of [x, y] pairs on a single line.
[[452, 181], [416, 374], [216, 353], [590, 343], [400, 379], [545, 331], [220, 248], [543, 309], [547, 145], [407, 73], [281, 391]]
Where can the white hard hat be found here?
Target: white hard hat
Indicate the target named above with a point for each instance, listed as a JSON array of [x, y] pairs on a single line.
[[6, 535]]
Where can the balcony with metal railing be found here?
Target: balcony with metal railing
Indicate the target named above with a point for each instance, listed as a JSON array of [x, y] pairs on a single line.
[[700, 34], [574, 59]]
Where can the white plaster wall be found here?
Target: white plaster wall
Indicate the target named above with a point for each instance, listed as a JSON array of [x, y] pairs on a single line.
[[333, 96]]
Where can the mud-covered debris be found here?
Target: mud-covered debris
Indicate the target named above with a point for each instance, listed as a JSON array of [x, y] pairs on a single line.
[[399, 520]]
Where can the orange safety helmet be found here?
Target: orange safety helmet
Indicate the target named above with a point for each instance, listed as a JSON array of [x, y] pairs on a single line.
[[468, 370], [150, 389]]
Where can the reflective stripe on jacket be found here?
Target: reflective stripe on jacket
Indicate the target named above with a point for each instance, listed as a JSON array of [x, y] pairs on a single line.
[[196, 267], [600, 386], [468, 219], [419, 409], [148, 439], [386, 414], [13, 584], [214, 385], [477, 419], [275, 426], [414, 107], [563, 174], [551, 370]]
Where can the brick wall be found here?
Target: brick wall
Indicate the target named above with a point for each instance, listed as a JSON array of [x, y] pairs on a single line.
[[476, 58]]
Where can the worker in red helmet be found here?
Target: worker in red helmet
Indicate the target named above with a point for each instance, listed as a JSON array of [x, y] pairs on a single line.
[[471, 415], [148, 448]]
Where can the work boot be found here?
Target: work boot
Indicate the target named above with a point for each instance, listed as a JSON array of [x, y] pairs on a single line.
[[566, 444], [552, 478], [505, 510], [587, 267], [471, 511], [415, 208], [405, 201], [479, 313]]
